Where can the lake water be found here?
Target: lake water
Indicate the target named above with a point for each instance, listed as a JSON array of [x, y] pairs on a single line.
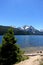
[[28, 40]]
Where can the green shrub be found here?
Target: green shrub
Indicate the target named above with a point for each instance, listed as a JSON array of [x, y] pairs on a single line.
[[24, 58]]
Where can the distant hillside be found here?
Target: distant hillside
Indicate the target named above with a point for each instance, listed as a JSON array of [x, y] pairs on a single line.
[[25, 30], [3, 29]]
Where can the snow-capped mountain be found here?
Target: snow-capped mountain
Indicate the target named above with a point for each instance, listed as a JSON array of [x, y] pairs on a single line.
[[20, 28], [28, 28], [24, 30], [32, 29], [23, 27]]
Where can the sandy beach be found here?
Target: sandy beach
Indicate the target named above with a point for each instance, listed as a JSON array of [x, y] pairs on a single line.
[[33, 60]]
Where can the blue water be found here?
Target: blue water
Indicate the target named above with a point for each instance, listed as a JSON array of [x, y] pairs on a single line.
[[28, 40]]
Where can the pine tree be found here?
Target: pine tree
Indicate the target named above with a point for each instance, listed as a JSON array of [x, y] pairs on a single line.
[[10, 52]]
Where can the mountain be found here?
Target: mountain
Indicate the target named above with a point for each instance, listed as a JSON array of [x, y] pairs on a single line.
[[25, 27], [29, 29], [24, 30]]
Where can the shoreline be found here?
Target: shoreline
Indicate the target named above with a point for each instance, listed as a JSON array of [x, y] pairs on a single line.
[[32, 49]]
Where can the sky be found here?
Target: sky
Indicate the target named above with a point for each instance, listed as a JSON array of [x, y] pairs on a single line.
[[21, 12]]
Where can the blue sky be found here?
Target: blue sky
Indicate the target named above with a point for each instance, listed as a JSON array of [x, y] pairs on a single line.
[[21, 12]]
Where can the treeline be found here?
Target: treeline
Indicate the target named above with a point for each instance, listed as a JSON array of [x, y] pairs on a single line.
[[3, 29]]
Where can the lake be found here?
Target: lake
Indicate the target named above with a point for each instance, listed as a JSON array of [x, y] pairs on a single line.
[[29, 43], [28, 40]]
